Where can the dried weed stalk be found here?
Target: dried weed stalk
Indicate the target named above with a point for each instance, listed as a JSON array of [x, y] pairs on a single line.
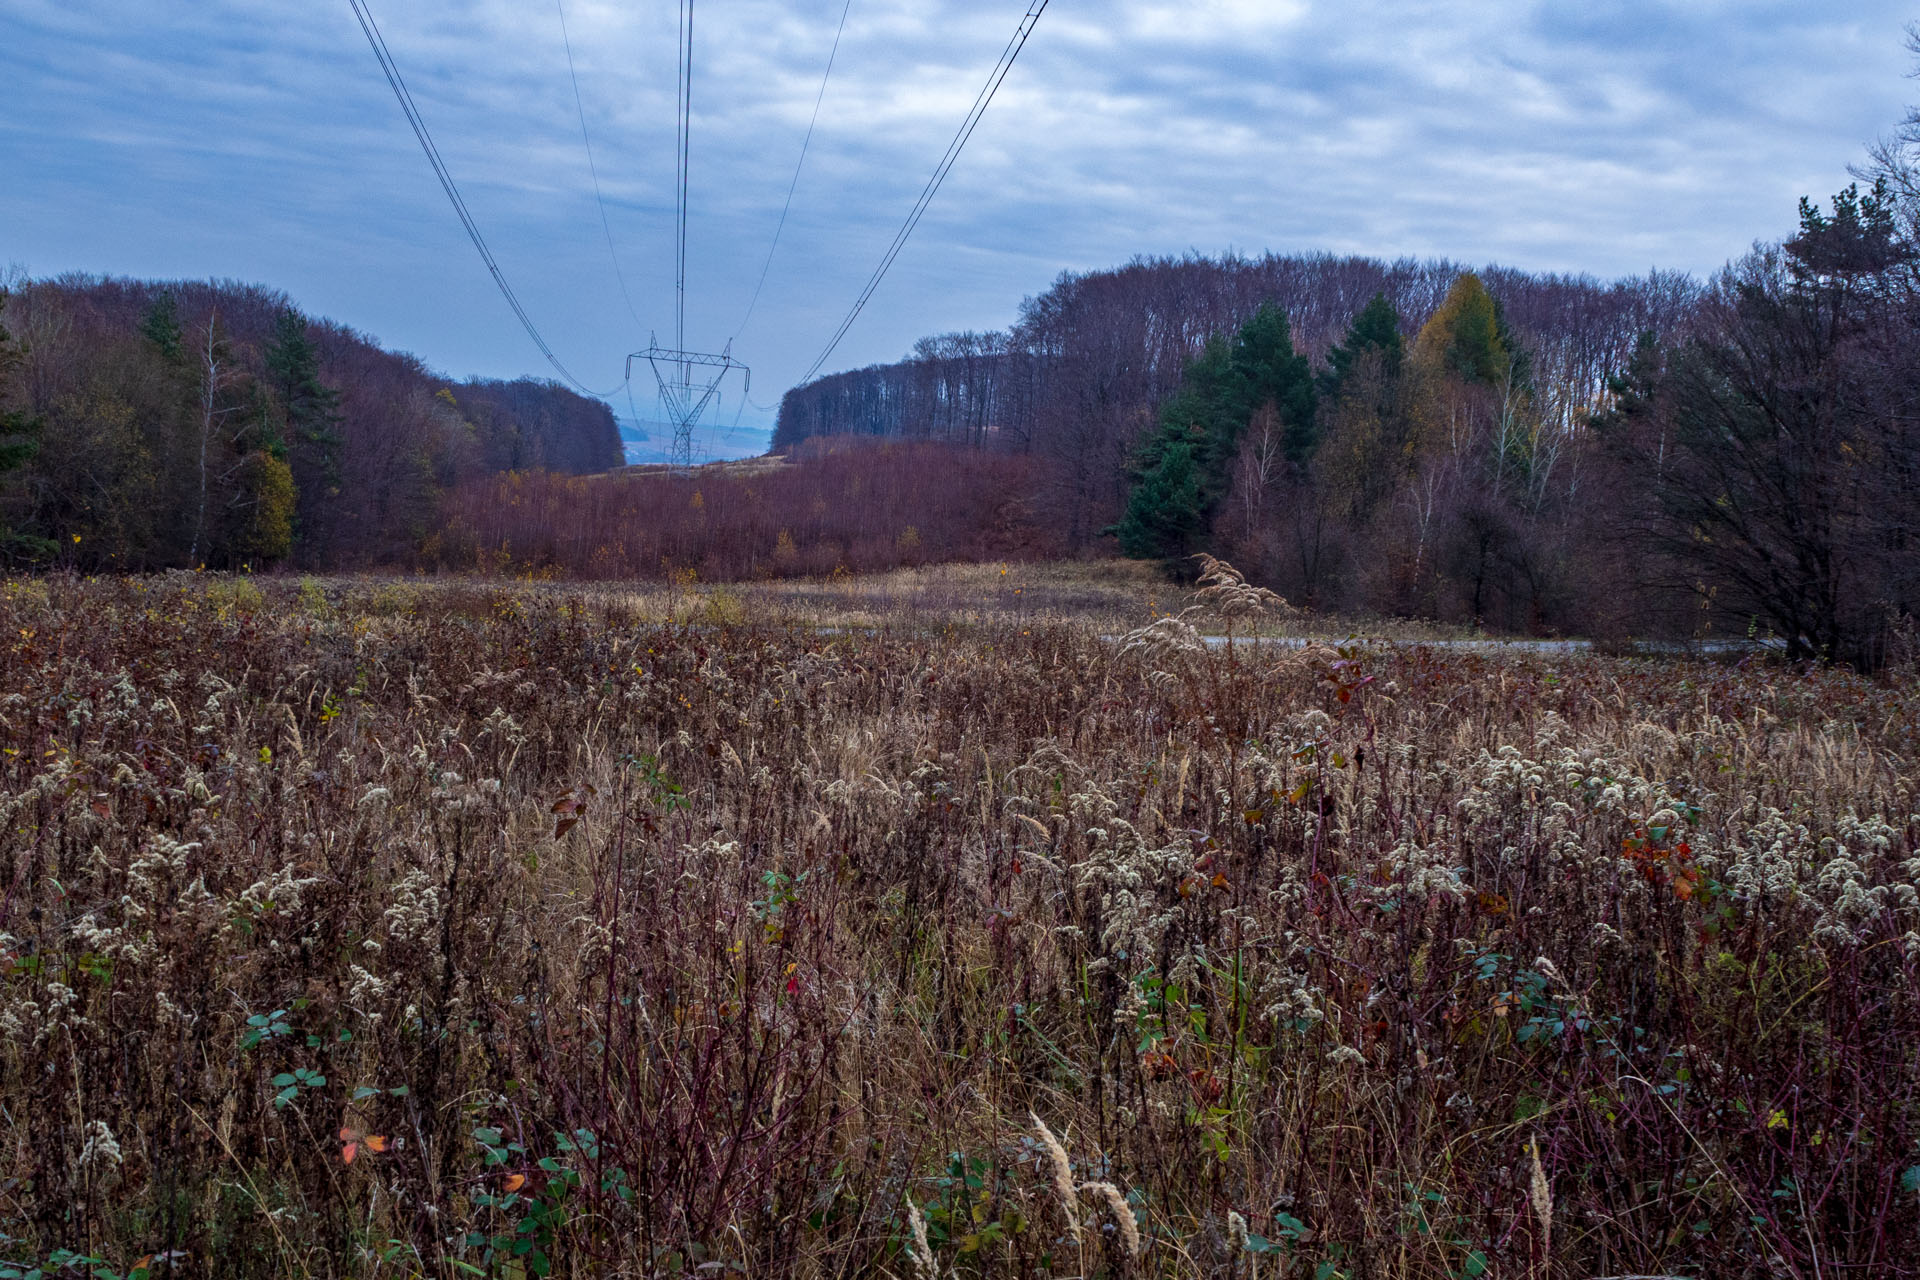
[[366, 928]]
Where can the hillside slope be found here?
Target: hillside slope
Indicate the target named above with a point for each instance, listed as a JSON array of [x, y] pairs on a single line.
[[211, 422]]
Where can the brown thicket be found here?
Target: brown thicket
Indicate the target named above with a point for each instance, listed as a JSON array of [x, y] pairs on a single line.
[[853, 506]]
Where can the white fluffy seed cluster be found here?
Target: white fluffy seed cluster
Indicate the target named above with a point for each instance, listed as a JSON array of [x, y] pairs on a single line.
[[414, 910]]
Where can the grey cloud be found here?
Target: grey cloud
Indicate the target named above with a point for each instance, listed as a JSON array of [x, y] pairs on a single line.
[[258, 140]]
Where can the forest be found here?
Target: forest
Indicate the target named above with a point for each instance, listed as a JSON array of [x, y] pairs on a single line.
[[1533, 454], [1081, 376], [153, 426]]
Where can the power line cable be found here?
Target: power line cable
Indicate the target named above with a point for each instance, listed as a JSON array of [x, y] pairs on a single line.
[[795, 184], [995, 79], [599, 199], [685, 162], [405, 98], [634, 407]]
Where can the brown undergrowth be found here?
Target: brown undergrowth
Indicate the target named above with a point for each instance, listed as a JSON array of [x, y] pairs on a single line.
[[436, 931]]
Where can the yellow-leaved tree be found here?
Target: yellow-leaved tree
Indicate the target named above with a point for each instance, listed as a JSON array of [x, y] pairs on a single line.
[[269, 533], [1463, 363], [1478, 457]]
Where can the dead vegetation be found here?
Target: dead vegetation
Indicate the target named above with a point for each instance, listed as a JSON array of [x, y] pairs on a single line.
[[386, 929]]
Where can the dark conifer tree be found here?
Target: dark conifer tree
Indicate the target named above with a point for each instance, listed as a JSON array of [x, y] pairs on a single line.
[[311, 408], [161, 326], [309, 419], [1376, 328], [1164, 511], [1269, 371], [1183, 470]]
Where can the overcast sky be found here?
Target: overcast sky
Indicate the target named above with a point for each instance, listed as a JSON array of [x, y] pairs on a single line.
[[258, 141]]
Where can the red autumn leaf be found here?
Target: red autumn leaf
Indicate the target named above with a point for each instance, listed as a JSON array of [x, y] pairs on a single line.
[[352, 1140], [563, 826], [1205, 1083], [1159, 1066]]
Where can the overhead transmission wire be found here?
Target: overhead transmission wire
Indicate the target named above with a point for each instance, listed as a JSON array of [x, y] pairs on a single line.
[[606, 225], [793, 186], [405, 98], [685, 166], [633, 407], [685, 163], [599, 198], [995, 79]]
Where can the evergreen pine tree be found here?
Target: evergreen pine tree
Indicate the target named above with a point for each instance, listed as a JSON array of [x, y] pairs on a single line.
[[1269, 371], [309, 412], [1376, 328], [310, 407], [1182, 470], [1196, 411], [1164, 509], [1364, 455], [161, 326]]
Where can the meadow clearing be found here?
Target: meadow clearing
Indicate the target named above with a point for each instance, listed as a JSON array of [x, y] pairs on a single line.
[[388, 928]]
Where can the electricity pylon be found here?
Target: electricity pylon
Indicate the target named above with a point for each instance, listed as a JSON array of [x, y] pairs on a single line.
[[689, 382]]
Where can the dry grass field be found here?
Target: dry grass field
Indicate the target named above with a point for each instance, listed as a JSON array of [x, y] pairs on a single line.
[[391, 929], [1110, 596]]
